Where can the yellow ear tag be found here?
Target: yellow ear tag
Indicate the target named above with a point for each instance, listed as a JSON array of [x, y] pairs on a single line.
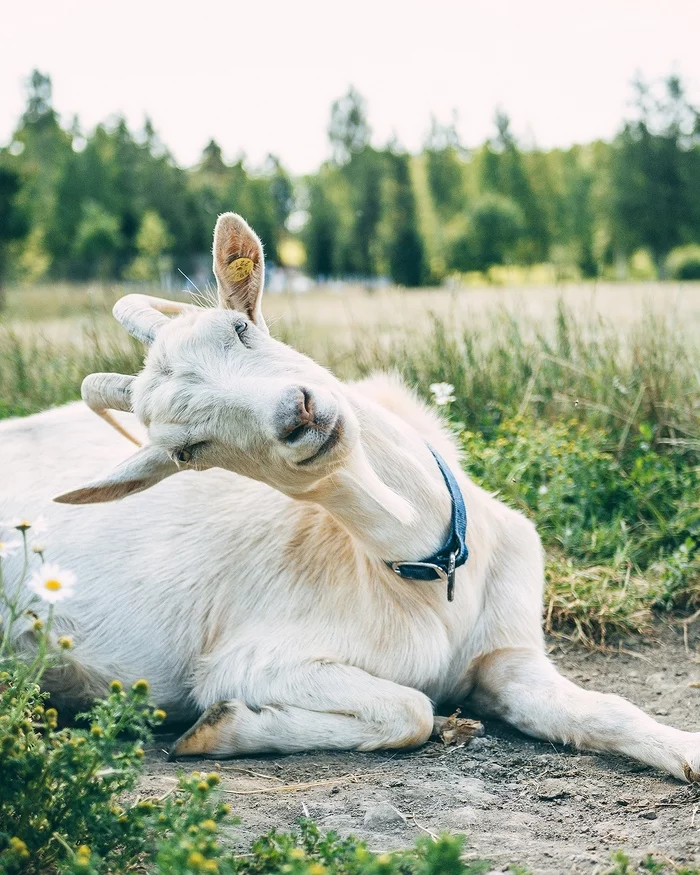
[[240, 269]]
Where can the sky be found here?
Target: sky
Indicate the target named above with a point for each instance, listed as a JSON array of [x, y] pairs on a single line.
[[260, 76]]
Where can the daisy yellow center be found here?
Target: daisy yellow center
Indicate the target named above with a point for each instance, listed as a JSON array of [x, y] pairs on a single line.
[[53, 585], [2, 545]]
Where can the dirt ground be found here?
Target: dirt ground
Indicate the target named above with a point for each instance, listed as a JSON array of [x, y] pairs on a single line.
[[519, 801]]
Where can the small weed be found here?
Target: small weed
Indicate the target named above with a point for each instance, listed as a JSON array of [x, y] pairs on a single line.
[[620, 529], [622, 865], [65, 797]]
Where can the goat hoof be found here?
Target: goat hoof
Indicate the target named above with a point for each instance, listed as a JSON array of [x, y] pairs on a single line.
[[207, 737], [691, 776]]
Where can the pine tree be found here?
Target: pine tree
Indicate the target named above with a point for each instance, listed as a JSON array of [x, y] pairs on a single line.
[[13, 225], [504, 172], [445, 168], [654, 182], [349, 131], [322, 230], [212, 160], [45, 150], [406, 254]]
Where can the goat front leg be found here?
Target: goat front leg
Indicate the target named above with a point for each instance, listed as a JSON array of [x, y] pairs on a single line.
[[313, 706], [524, 688]]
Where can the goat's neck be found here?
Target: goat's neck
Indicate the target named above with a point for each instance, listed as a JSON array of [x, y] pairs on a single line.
[[391, 496]]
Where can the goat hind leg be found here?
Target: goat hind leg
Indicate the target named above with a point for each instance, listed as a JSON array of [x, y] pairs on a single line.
[[524, 688], [314, 706]]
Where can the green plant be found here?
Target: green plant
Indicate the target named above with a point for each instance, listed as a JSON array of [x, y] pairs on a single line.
[[590, 502], [622, 865], [683, 262], [307, 851], [620, 528], [37, 372], [65, 795], [60, 785]]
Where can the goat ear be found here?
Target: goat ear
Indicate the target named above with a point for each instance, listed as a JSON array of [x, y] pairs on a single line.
[[239, 267], [138, 472]]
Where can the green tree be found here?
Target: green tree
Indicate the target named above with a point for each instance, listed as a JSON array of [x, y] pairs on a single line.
[[405, 251], [363, 175], [39, 110], [89, 199], [573, 210], [42, 148], [265, 196], [445, 168], [13, 223], [212, 160], [152, 241], [259, 208], [505, 173], [98, 238], [349, 131], [281, 190], [495, 228], [321, 233], [357, 186], [127, 175], [654, 187]]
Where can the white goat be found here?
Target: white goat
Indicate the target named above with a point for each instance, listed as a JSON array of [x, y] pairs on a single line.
[[253, 588]]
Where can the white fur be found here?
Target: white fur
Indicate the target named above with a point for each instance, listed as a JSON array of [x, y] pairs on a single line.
[[262, 582]]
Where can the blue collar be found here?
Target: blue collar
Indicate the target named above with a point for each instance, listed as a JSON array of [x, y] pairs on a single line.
[[454, 552]]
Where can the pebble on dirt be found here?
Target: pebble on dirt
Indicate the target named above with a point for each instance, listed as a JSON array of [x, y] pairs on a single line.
[[383, 814]]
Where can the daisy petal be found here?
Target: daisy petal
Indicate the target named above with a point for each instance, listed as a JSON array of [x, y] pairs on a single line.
[[7, 548], [22, 524], [52, 584]]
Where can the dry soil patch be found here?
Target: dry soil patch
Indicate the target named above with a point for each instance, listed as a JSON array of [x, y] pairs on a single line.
[[518, 800]]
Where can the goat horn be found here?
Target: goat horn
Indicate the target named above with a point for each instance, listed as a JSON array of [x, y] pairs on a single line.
[[143, 315], [105, 392]]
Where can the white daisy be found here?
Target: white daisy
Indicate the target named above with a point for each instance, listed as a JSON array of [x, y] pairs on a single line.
[[22, 525], [7, 548], [442, 393], [52, 584]]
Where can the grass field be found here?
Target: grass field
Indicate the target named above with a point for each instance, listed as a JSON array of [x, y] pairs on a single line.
[[579, 405]]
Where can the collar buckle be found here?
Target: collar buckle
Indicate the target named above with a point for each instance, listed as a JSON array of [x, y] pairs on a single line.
[[444, 573], [407, 569], [450, 575]]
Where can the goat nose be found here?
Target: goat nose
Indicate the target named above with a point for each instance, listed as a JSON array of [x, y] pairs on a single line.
[[295, 413]]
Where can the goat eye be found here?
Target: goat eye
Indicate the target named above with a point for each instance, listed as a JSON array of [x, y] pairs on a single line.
[[240, 325], [184, 455]]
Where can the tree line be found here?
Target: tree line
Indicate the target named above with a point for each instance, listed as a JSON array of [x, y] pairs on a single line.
[[114, 204]]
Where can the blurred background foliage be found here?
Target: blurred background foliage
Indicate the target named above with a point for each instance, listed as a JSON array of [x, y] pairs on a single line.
[[113, 204]]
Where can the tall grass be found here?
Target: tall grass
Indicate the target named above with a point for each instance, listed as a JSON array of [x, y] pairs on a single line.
[[37, 371], [590, 426], [600, 373], [611, 377]]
